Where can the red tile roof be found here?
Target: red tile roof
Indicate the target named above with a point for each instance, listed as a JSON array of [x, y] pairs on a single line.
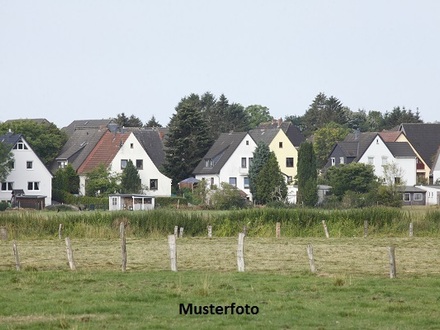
[[104, 151]]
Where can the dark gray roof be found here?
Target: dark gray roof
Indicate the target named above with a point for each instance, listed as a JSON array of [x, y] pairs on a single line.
[[86, 124], [152, 144], [220, 152], [265, 135], [359, 142], [425, 138], [10, 139], [293, 133], [400, 149]]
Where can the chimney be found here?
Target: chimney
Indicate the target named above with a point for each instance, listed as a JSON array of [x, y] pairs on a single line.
[[280, 121]]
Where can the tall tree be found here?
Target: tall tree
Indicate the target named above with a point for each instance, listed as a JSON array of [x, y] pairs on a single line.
[[270, 185], [44, 138], [130, 180], [6, 159], [258, 114], [66, 179], [400, 115], [188, 139], [124, 121], [152, 122], [307, 175], [324, 140], [100, 182], [260, 157]]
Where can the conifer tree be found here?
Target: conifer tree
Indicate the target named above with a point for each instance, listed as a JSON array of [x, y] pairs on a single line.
[[260, 157], [270, 184], [130, 180], [307, 175]]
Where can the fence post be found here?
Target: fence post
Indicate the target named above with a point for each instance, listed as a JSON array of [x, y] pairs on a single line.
[[365, 228], [411, 229], [391, 251], [240, 252], [278, 229], [3, 233], [325, 229], [123, 246], [173, 252], [245, 230], [210, 231], [17, 259], [176, 231], [181, 232], [70, 254], [60, 231], [311, 259]]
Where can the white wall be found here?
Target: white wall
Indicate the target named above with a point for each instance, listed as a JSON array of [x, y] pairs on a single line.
[[432, 194]]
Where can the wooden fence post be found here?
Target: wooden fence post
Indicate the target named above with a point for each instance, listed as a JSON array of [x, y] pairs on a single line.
[[173, 252], [176, 231], [181, 232], [123, 246], [365, 228], [70, 254], [3, 233], [17, 259], [325, 229], [209, 231], [278, 229], [240, 252], [311, 259], [60, 231], [411, 229], [245, 230], [391, 251]]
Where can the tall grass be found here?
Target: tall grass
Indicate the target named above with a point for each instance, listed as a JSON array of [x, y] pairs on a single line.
[[259, 222]]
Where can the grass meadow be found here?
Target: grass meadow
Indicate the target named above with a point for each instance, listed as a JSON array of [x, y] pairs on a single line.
[[350, 290]]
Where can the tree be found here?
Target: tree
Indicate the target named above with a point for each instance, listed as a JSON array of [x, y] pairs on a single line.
[[130, 180], [44, 138], [100, 182], [227, 198], [188, 139], [66, 179], [152, 122], [6, 160], [123, 121], [307, 175], [258, 114], [398, 116], [260, 157], [324, 140], [270, 185], [353, 177]]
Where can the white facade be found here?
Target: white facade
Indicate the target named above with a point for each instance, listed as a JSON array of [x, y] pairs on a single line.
[[28, 174], [432, 194], [153, 181], [132, 202], [378, 155], [236, 169], [436, 170]]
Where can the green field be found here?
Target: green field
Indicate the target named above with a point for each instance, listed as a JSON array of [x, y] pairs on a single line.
[[351, 290]]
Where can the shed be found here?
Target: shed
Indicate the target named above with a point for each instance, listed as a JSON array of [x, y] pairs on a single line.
[[131, 202], [30, 201], [413, 195]]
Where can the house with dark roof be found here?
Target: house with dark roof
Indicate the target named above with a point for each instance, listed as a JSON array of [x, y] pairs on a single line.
[[29, 183], [228, 160], [293, 132]]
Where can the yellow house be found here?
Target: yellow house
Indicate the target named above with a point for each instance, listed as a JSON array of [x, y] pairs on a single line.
[[279, 143]]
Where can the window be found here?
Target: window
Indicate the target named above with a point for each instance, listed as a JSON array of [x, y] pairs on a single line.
[[12, 165], [114, 201], [418, 197], [247, 142], [208, 163], [131, 145], [243, 162], [29, 164], [246, 182], [62, 163], [212, 183], [406, 197], [233, 181], [154, 185], [7, 186], [289, 162], [139, 164], [341, 160], [33, 185], [289, 179], [20, 146], [280, 145], [333, 161], [396, 180], [370, 160], [250, 161], [123, 163]]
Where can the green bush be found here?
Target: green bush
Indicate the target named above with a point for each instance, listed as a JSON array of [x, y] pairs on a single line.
[[3, 206]]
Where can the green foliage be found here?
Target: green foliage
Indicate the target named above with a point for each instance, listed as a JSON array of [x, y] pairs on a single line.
[[130, 180], [100, 182], [355, 177], [258, 114], [307, 175], [152, 122], [3, 206], [269, 184], [170, 202], [45, 138], [123, 121], [324, 140], [227, 198], [388, 197], [400, 115], [66, 179], [6, 159], [188, 139], [260, 157]]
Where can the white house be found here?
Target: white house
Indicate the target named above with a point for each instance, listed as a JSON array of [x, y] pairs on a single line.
[[432, 194], [132, 202], [228, 160], [28, 174]]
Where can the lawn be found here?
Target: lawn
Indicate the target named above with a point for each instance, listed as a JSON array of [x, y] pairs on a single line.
[[351, 289]]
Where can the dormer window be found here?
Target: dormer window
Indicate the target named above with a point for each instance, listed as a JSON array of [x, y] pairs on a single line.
[[208, 163], [20, 145]]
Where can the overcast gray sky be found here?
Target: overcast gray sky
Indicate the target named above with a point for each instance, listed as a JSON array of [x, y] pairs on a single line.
[[85, 59]]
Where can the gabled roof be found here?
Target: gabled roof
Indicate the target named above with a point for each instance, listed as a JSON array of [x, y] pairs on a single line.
[[400, 149], [220, 152], [390, 136], [293, 133], [86, 124], [152, 143], [104, 151], [358, 142], [35, 120], [425, 138], [265, 135], [10, 139]]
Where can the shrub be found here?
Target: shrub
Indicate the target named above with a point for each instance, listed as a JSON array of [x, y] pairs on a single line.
[[3, 206]]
